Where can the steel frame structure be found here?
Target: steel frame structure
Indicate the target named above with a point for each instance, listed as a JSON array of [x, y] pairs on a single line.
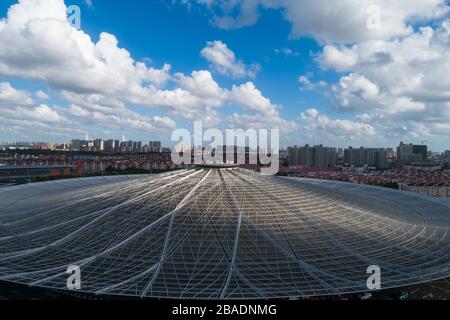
[[219, 233]]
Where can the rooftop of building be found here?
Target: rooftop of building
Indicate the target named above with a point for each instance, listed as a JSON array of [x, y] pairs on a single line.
[[224, 234]]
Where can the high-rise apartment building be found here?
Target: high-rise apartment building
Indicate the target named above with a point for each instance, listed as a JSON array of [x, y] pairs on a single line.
[[155, 146], [446, 159], [316, 156], [98, 145], [409, 153], [137, 146], [126, 146], [371, 157], [422, 150], [81, 145], [111, 146]]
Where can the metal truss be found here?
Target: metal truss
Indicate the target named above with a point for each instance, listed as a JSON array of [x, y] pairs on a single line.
[[223, 233]]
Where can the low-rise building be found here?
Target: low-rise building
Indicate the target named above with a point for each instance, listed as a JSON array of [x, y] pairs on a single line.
[[440, 190]]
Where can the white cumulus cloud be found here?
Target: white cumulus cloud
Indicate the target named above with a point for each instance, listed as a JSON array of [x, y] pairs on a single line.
[[338, 21], [11, 97], [99, 79], [223, 60]]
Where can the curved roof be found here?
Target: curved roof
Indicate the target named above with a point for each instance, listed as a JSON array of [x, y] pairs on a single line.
[[219, 233]]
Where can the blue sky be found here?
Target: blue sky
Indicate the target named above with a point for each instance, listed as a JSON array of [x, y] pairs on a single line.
[[316, 74]]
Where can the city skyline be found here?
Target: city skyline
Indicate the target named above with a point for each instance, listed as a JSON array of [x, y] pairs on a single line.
[[12, 143], [144, 69]]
